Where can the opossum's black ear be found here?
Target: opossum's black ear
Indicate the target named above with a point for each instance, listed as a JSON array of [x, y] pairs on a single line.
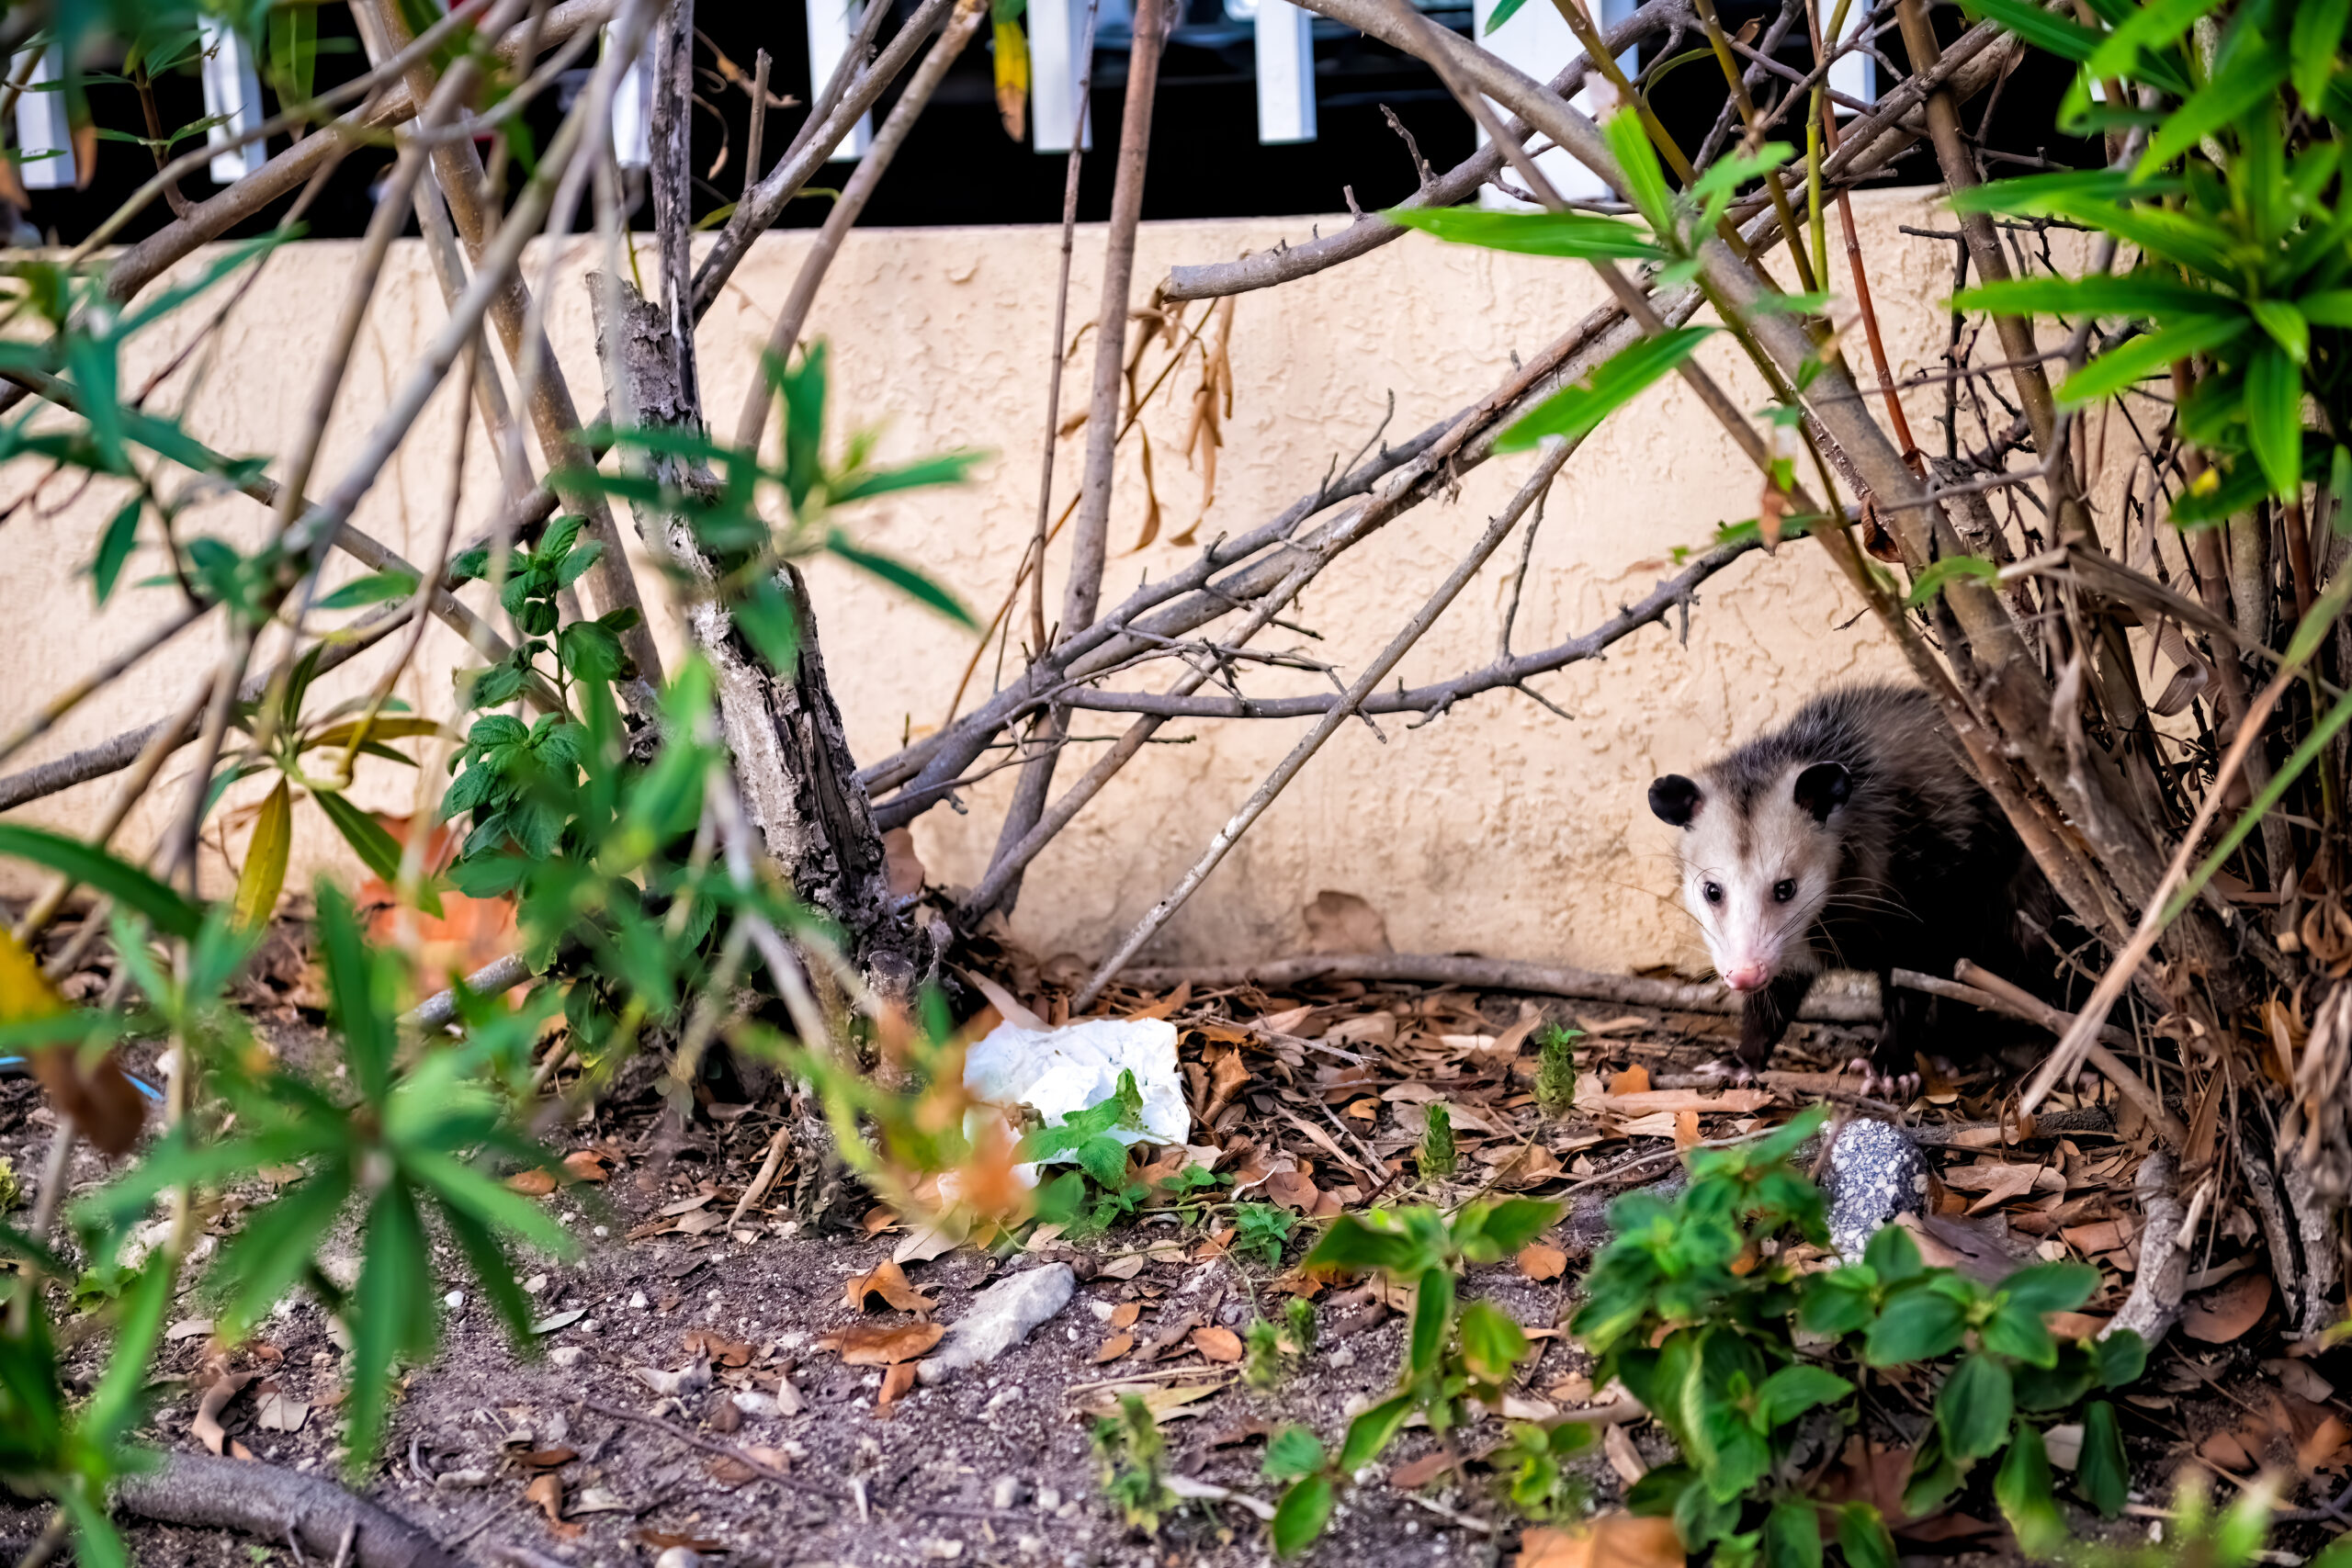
[[1675, 799], [1823, 789]]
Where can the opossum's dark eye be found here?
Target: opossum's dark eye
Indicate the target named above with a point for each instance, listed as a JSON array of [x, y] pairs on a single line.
[[1783, 890], [1714, 892]]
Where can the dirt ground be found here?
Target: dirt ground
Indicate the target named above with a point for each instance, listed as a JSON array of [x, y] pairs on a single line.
[[995, 1467]]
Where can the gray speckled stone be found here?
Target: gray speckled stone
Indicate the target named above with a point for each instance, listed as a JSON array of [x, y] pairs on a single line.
[[999, 1318], [1875, 1173]]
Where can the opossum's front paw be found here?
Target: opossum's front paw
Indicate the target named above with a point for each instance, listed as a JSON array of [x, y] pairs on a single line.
[[1900, 1088], [1728, 1070]]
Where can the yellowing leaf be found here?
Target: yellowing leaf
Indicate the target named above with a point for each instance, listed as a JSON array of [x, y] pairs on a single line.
[[265, 873], [1011, 78], [23, 992]]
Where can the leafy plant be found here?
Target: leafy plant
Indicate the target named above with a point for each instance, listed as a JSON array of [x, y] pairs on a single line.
[[399, 1144], [1262, 1230], [1268, 1348], [1695, 1305], [1436, 1157], [1132, 1454], [1453, 1353], [1555, 1068]]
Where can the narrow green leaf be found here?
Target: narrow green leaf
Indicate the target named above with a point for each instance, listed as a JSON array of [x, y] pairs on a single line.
[[2149, 26], [1292, 1452], [1577, 236], [393, 1312], [2274, 417], [1432, 1316], [113, 547], [2042, 29], [1574, 413], [2286, 326], [1643, 177], [2313, 44], [2150, 356], [1369, 1433], [355, 995], [373, 589], [1862, 1537], [1929, 583], [1502, 13], [2023, 1490], [904, 578], [93, 867], [2249, 81]]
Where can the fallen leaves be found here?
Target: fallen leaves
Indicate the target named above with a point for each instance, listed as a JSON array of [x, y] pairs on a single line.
[[716, 1348], [1608, 1540], [548, 1492], [206, 1425], [889, 1282], [1219, 1345], [1540, 1262], [877, 1345], [1113, 1348], [2221, 1316]]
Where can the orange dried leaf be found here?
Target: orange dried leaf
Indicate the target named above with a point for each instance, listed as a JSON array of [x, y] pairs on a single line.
[[1124, 1316], [1217, 1344], [892, 1284], [531, 1183], [1686, 1129], [1539, 1262], [1634, 1080], [895, 1384], [1113, 1348], [548, 1492], [2222, 1314], [584, 1164], [880, 1345], [1610, 1540]]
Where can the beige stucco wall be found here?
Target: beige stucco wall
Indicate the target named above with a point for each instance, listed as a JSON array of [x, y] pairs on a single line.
[[1500, 829]]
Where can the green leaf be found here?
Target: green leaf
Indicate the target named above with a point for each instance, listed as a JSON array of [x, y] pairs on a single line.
[[1433, 1315], [1292, 1453], [2136, 295], [1574, 413], [1643, 180], [2274, 417], [1892, 1256], [355, 994], [2015, 1331], [2023, 1490], [126, 884], [1862, 1537], [2119, 1357], [376, 847], [1492, 1344], [373, 589], [2286, 326], [1300, 1517], [392, 1314], [2150, 356], [113, 547], [904, 578], [118, 1403], [293, 50], [1973, 1407], [265, 870], [945, 468], [1502, 13], [1929, 583], [2149, 26], [1351, 1243], [2103, 1476], [1508, 1225], [1577, 236], [1790, 1392], [2050, 1286], [2313, 44], [1369, 1433], [1918, 1325], [1792, 1535], [263, 1260], [2249, 80], [2042, 29]]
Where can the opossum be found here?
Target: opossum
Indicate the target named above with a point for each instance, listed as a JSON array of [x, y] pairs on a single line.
[[1853, 836]]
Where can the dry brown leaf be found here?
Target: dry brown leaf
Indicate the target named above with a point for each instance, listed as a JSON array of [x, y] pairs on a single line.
[[661, 1541], [901, 867], [585, 1165], [882, 1344], [2221, 1316], [531, 1183], [895, 1384], [722, 1350], [98, 1095], [879, 1219], [1414, 1474], [1538, 1261], [889, 1282], [1686, 1129], [1609, 1540], [1650, 1101], [1341, 922], [1113, 1348], [1124, 1316], [2000, 1184], [1634, 1080], [548, 1492], [1622, 1458], [547, 1459], [1218, 1344], [206, 1425]]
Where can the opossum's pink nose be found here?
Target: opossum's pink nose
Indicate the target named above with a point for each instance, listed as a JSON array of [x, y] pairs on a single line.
[[1747, 976]]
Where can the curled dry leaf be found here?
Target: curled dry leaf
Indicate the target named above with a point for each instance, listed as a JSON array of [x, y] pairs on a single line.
[[1540, 1262], [1686, 1129], [1622, 1458], [547, 1459], [1634, 1080], [531, 1183], [1218, 1344], [1113, 1348], [877, 1345], [2221, 1316], [585, 1165], [206, 1425], [1124, 1316], [895, 1384], [548, 1492]]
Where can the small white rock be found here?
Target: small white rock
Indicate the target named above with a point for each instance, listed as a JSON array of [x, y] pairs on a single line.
[[459, 1480], [1101, 1310], [535, 1284], [637, 1301], [938, 1551], [1048, 1499], [752, 1402], [1343, 1358], [566, 1356], [1006, 1494], [679, 1557], [454, 1300]]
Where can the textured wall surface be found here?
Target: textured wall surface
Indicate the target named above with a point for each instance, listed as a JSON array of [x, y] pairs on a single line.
[[1499, 829]]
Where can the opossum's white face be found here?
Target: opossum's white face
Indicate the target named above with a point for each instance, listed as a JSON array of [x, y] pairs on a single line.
[[1757, 872]]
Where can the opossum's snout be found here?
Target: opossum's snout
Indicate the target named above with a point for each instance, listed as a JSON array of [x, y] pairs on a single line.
[[1752, 975]]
